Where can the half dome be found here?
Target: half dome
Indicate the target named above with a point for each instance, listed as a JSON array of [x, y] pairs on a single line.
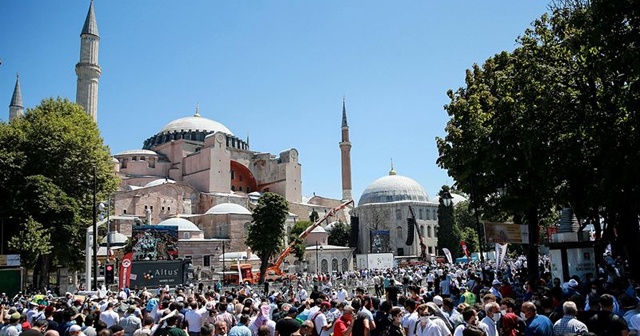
[[393, 188], [158, 182], [228, 208], [181, 223]]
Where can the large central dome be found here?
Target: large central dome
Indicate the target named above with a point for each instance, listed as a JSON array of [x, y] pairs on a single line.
[[195, 123], [195, 128], [393, 188]]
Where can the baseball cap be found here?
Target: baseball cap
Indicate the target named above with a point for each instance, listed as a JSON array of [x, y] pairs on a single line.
[[75, 328], [437, 300], [495, 282]]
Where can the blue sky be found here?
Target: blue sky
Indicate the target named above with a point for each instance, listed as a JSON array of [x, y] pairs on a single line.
[[273, 70]]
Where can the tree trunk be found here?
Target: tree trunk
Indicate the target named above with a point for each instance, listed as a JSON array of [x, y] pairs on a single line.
[[264, 262], [532, 254], [629, 237]]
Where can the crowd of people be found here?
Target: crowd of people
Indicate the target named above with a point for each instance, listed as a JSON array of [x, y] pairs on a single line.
[[434, 299]]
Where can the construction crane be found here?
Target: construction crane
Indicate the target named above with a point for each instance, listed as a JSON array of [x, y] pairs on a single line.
[[276, 265], [423, 247]]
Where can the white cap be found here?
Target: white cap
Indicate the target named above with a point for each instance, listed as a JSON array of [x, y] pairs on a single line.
[[437, 300], [495, 282]]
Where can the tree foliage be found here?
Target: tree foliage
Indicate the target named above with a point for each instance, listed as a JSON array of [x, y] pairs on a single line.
[[555, 121], [32, 242], [339, 234], [267, 228], [46, 174], [300, 246]]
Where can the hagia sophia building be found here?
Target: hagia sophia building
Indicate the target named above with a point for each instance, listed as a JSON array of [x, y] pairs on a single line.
[[194, 173]]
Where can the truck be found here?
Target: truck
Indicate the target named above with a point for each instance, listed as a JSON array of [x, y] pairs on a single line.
[[378, 261]]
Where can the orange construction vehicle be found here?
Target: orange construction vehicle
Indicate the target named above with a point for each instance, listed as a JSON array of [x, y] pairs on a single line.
[[275, 268], [232, 276]]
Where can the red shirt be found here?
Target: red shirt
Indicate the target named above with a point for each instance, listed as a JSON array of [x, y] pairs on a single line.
[[340, 327]]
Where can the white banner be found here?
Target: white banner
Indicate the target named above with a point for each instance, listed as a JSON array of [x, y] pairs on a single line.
[[447, 253], [501, 253]]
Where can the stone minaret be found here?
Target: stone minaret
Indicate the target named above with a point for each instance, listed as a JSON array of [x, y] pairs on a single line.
[[87, 69], [15, 108], [345, 149]]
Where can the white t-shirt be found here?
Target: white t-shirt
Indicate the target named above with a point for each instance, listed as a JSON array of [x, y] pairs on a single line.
[[194, 318], [409, 323], [319, 323]]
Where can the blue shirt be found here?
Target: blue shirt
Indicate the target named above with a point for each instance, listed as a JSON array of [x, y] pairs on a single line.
[[240, 330], [539, 325]]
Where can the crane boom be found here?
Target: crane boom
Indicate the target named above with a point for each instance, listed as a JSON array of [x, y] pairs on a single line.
[[423, 247], [276, 265]]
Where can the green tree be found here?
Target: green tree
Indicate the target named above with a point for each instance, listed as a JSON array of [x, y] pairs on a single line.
[[32, 242], [448, 233], [313, 217], [339, 234], [47, 160], [267, 228], [300, 247]]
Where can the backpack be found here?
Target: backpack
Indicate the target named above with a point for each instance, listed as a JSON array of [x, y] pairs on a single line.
[[314, 331]]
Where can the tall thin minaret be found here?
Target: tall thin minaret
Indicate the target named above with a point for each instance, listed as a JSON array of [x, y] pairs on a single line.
[[15, 108], [345, 149], [87, 69]]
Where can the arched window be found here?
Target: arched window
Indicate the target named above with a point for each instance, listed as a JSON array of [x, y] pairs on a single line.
[[324, 266], [422, 232], [398, 214], [435, 214], [186, 235], [334, 265], [428, 231], [421, 214], [428, 214], [399, 233], [345, 264]]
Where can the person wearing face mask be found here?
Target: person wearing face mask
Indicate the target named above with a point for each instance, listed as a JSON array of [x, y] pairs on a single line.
[[507, 310], [488, 323], [537, 325], [429, 325], [470, 319]]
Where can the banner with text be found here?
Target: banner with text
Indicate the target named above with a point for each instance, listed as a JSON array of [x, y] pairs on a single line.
[[503, 233]]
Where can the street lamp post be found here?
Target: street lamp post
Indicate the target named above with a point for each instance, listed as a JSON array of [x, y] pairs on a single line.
[[318, 247], [95, 230]]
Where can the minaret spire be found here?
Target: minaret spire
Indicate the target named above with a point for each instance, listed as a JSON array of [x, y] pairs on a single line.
[[16, 109], [345, 150], [344, 113], [87, 69]]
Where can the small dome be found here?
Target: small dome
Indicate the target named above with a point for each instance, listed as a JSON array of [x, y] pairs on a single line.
[[195, 123], [393, 188], [118, 239], [181, 223], [330, 226], [318, 229], [158, 182], [228, 208], [137, 152]]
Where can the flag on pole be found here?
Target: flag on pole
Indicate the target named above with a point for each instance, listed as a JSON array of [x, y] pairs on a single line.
[[465, 249], [447, 254], [239, 271]]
